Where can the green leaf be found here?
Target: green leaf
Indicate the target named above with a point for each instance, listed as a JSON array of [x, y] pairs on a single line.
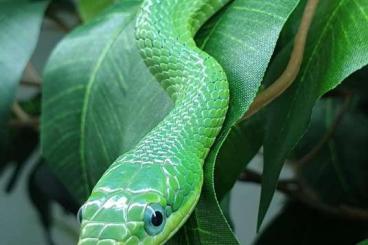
[[100, 100], [20, 23], [336, 47], [89, 9], [244, 55], [242, 144], [365, 242], [338, 171], [237, 50]]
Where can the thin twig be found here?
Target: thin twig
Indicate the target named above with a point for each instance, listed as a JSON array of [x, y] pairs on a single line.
[[23, 119], [293, 67], [254, 177], [329, 133], [300, 192], [21, 115], [31, 77], [30, 83], [32, 123]]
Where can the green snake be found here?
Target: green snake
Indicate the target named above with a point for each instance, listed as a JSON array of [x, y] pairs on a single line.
[[148, 193]]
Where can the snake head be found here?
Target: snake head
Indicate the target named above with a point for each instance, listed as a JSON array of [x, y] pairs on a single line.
[[123, 219], [142, 212]]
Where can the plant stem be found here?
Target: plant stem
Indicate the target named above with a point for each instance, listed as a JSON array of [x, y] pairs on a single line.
[[20, 113], [23, 118], [32, 123], [293, 67]]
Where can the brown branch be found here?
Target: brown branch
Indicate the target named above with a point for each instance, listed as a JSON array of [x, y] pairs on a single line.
[[329, 133], [30, 83], [32, 123], [20, 113], [300, 192], [23, 119], [31, 77], [284, 186], [293, 67]]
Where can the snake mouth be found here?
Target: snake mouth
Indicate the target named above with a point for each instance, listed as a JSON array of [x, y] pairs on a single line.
[[101, 233], [96, 241]]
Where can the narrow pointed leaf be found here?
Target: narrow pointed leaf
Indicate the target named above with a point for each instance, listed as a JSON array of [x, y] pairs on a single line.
[[92, 99], [337, 47], [89, 9]]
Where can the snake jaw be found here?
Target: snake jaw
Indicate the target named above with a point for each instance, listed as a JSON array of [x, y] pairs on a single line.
[[113, 219], [116, 217], [93, 233]]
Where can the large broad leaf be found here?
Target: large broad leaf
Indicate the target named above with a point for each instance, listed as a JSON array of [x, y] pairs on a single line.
[[242, 39], [89, 9], [100, 100], [237, 50], [20, 23], [337, 46]]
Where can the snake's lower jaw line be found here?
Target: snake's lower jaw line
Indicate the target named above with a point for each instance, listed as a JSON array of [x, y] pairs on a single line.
[[106, 241], [92, 241], [101, 233]]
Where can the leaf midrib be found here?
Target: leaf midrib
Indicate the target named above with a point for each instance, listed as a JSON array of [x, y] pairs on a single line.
[[91, 82], [319, 41]]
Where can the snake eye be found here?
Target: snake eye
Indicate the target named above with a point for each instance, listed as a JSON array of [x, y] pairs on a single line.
[[80, 215], [154, 219]]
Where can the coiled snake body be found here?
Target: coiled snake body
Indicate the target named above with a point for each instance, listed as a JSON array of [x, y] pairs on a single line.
[[149, 192]]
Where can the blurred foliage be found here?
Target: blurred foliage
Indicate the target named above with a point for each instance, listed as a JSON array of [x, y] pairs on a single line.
[[338, 171], [300, 224], [89, 9], [20, 26]]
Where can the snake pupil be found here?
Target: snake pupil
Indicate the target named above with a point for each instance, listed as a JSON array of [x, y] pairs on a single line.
[[157, 219]]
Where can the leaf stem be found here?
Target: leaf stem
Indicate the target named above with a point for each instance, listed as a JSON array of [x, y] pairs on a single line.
[[293, 67]]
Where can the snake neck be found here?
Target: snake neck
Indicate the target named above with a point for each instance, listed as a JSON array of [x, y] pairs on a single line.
[[193, 79]]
